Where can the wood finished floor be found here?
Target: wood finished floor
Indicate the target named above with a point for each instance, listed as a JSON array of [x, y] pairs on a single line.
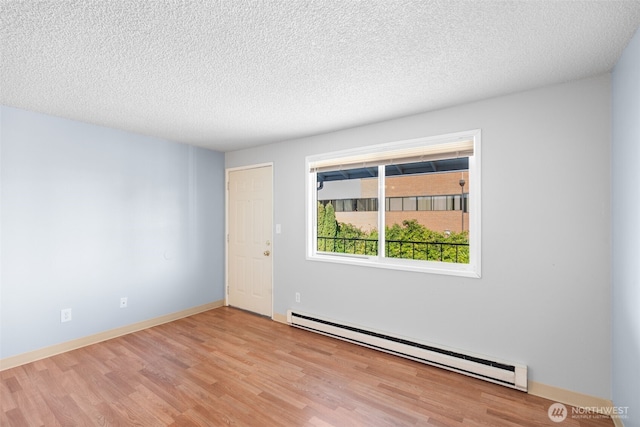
[[231, 368]]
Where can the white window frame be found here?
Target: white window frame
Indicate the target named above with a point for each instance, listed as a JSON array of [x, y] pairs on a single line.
[[472, 269]]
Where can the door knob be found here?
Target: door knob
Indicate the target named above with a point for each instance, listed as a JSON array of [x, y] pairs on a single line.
[[267, 253]]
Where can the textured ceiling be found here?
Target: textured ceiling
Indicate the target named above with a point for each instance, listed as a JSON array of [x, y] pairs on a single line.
[[233, 74]]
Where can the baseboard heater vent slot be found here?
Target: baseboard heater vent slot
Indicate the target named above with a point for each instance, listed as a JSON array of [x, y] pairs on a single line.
[[509, 374]]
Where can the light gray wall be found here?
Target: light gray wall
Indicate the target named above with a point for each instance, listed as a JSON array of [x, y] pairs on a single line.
[[91, 214], [626, 231], [544, 297]]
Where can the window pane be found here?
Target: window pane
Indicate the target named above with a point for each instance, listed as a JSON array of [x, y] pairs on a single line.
[[424, 203], [349, 227], [431, 225], [456, 203], [395, 204], [367, 205], [408, 203], [450, 203], [439, 203], [348, 205]]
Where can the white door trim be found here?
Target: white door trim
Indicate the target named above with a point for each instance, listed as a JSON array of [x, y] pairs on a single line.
[[226, 226]]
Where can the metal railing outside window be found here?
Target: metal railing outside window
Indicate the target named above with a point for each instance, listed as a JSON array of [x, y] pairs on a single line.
[[426, 251]]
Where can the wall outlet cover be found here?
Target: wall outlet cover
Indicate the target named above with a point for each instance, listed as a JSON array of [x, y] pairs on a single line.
[[65, 315]]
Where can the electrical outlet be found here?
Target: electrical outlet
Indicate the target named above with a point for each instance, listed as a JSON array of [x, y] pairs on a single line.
[[123, 302], [297, 296], [65, 315]]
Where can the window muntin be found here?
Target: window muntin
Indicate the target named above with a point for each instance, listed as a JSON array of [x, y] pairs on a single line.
[[399, 161]]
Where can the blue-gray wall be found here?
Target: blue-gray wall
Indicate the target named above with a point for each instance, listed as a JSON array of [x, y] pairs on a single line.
[[91, 214], [544, 298], [625, 192]]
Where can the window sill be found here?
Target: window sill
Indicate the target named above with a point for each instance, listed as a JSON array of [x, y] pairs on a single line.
[[429, 267]]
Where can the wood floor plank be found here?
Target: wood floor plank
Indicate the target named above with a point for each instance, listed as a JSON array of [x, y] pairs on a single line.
[[15, 417], [226, 367], [28, 408], [30, 401], [155, 404]]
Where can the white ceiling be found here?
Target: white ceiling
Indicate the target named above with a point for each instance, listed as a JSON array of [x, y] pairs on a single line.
[[233, 74]]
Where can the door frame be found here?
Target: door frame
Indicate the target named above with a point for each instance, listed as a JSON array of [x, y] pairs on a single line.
[[226, 226]]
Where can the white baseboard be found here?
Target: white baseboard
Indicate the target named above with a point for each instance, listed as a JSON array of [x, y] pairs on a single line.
[[617, 422], [567, 397], [280, 318], [578, 400], [32, 356]]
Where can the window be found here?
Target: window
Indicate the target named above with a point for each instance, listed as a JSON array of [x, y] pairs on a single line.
[[408, 203], [395, 204], [411, 205], [425, 203]]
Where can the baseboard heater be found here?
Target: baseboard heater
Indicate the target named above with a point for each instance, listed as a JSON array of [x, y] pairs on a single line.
[[508, 374]]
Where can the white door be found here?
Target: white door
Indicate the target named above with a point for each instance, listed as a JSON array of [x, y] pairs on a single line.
[[249, 241]]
